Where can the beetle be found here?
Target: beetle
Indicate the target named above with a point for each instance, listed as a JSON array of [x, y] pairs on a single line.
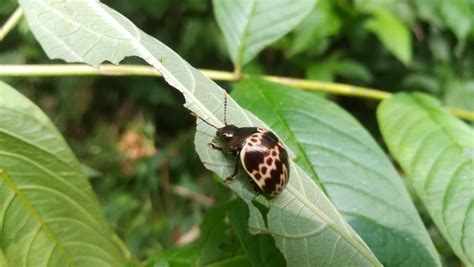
[[262, 155]]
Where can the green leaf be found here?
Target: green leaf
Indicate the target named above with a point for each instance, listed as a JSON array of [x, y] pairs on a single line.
[[354, 172], [457, 15], [326, 70], [260, 249], [105, 35], [213, 241], [392, 33], [429, 11], [48, 212], [436, 151], [90, 172], [213, 248], [236, 261], [176, 257], [320, 23], [300, 219], [459, 93], [250, 25]]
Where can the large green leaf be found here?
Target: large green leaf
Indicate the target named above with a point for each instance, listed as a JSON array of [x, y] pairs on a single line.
[[353, 171], [49, 215], [300, 219], [436, 150], [251, 25]]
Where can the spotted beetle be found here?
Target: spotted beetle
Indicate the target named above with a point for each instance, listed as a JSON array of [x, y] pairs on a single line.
[[262, 155]]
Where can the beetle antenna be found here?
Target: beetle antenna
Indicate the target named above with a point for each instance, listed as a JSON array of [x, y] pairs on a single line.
[[225, 107], [208, 123]]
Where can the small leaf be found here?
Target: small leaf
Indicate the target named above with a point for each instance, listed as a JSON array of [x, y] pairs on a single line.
[[260, 249], [183, 256], [327, 69], [392, 33], [211, 248], [428, 10], [352, 69], [457, 15], [213, 236], [341, 156], [250, 25], [435, 150], [322, 22], [237, 261], [48, 212]]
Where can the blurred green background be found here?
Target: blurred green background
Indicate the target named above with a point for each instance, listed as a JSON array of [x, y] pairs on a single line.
[[142, 162]]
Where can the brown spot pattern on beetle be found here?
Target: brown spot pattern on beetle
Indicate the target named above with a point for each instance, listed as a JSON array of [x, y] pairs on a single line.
[[265, 159]]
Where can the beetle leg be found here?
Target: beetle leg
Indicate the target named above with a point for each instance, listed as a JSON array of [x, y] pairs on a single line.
[[232, 177], [214, 146]]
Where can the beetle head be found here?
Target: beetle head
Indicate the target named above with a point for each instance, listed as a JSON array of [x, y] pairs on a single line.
[[225, 134]]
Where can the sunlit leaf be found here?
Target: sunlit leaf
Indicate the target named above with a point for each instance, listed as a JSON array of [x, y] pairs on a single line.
[[300, 219], [354, 172], [49, 215], [250, 25], [459, 93], [436, 150]]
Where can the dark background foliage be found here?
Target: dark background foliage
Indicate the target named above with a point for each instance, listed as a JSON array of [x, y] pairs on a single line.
[[135, 139]]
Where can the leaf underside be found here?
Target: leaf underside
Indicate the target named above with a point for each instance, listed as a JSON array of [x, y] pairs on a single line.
[[354, 172], [302, 221]]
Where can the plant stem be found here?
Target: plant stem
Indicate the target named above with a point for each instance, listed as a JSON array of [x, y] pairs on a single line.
[[140, 70], [11, 22], [333, 88]]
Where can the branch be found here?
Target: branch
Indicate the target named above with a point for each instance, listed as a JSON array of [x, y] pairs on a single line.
[[11, 22], [140, 70]]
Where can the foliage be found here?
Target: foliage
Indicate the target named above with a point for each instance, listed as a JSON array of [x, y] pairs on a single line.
[[440, 164], [348, 165], [49, 213], [135, 141]]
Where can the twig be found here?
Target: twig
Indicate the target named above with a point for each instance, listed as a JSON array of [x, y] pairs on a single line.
[[189, 237], [186, 193], [140, 70], [11, 22]]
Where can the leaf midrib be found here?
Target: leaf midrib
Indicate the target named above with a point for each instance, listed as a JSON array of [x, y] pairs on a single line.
[[144, 54], [426, 109], [341, 231], [244, 36]]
